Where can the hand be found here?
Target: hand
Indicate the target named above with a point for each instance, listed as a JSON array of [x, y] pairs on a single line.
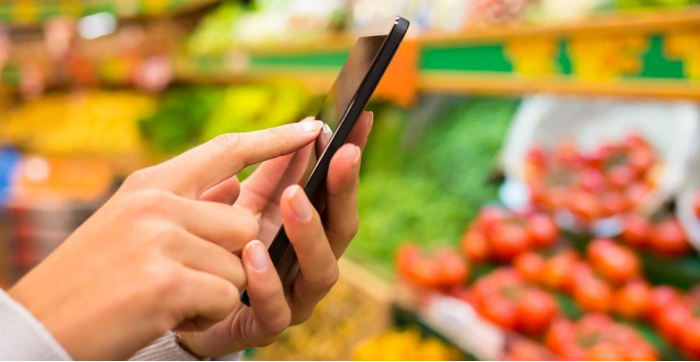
[[154, 257], [317, 244]]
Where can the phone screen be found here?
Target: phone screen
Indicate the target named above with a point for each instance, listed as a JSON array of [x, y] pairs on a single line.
[[299, 166]]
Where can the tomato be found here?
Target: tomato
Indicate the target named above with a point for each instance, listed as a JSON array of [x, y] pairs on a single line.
[[536, 156], [668, 237], [542, 230], [636, 192], [452, 269], [465, 294], [522, 349], [591, 179], [600, 156], [690, 338], [632, 300], [584, 204], [536, 310], [580, 274], [566, 153], [673, 320], [559, 336], [621, 176], [640, 352], [425, 274], [614, 203], [489, 217], [660, 298], [696, 204], [407, 257], [530, 265], [604, 352], [635, 140], [507, 240], [475, 246], [557, 270], [642, 159], [593, 295], [616, 263], [636, 230], [500, 311], [554, 198]]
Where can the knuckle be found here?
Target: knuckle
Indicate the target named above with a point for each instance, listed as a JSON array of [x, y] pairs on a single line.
[[237, 271], [166, 280], [278, 323], [149, 202], [229, 142], [353, 225], [140, 178], [326, 281]]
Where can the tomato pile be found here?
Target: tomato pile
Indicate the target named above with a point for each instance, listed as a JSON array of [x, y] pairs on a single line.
[[443, 270], [500, 235], [596, 337], [677, 317], [608, 181], [506, 299], [665, 237]]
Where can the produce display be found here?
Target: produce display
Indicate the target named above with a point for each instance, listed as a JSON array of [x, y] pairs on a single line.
[[82, 123], [610, 180], [398, 345], [189, 116]]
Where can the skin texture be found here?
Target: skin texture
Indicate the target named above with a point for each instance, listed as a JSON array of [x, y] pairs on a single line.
[[158, 255], [318, 240]]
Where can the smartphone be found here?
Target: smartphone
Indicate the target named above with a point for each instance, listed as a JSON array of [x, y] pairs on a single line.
[[341, 108]]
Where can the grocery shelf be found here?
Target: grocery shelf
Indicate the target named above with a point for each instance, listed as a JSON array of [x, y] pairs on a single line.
[[643, 54], [29, 12]]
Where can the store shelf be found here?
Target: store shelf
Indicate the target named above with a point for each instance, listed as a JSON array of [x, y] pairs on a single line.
[[29, 12], [647, 54]]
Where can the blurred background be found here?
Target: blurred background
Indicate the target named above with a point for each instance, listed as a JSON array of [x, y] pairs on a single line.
[[529, 191]]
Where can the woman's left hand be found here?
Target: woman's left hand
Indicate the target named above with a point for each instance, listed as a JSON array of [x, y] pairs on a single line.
[[317, 243]]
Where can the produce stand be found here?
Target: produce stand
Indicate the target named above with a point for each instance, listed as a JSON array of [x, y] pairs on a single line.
[[426, 255]]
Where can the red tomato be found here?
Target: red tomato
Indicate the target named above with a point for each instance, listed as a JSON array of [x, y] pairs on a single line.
[[536, 310], [636, 192], [580, 274], [465, 295], [690, 338], [489, 216], [614, 203], [554, 198], [621, 176], [601, 155], [567, 153], [640, 352], [660, 298], [500, 311], [616, 263], [530, 265], [407, 257], [559, 334], [475, 246], [696, 204], [536, 156], [642, 159], [604, 352], [522, 349], [584, 204], [542, 230], [593, 296], [636, 229], [591, 179], [557, 270], [673, 320], [452, 269], [507, 240], [668, 237], [635, 140], [632, 300]]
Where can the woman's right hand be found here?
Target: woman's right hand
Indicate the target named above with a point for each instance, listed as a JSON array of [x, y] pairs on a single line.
[[154, 257]]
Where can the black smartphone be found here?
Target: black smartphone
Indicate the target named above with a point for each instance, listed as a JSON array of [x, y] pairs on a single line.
[[341, 108]]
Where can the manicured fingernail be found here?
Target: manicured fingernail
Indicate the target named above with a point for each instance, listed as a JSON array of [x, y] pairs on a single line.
[[327, 130], [300, 205], [259, 259], [309, 127]]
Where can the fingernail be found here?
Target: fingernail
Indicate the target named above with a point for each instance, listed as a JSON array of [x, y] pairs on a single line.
[[299, 204], [358, 155], [259, 259], [371, 118], [327, 130], [309, 127]]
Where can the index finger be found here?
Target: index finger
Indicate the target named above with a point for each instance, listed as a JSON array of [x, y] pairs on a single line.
[[204, 166]]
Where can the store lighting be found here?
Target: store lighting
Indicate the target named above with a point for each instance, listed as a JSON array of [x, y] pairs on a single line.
[[97, 25]]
